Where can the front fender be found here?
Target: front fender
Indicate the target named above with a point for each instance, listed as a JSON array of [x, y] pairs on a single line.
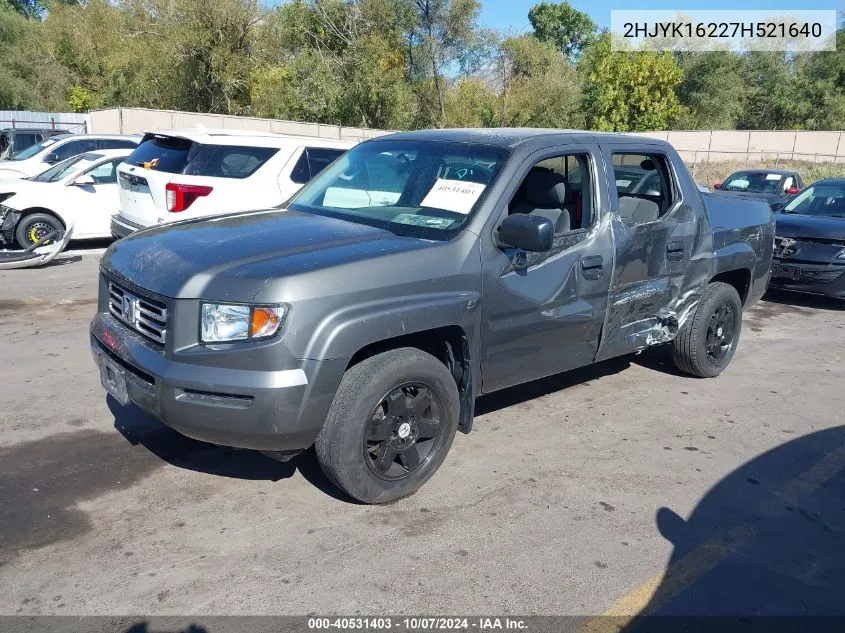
[[343, 332]]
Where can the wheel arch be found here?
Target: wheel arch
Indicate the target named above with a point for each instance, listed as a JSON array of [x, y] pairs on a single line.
[[739, 278], [33, 210], [450, 345]]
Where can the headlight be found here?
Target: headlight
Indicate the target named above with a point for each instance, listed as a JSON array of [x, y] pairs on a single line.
[[223, 322]]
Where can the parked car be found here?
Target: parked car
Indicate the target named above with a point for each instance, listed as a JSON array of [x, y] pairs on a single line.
[[177, 175], [417, 272], [15, 140], [41, 156], [775, 186], [81, 190], [810, 241]]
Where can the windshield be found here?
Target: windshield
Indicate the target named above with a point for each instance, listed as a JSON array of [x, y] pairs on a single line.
[[753, 182], [819, 200], [29, 152], [417, 188], [68, 167]]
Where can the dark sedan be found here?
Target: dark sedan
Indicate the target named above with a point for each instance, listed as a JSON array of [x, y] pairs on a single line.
[[810, 241], [774, 186]]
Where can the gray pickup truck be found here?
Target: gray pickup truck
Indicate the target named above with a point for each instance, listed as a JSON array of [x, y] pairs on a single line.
[[417, 272]]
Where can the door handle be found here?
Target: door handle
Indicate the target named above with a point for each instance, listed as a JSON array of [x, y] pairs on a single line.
[[675, 251], [592, 267]]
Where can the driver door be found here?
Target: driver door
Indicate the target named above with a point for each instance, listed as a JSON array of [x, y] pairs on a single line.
[[543, 312]]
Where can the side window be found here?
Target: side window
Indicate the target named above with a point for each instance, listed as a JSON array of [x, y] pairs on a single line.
[[301, 172], [321, 157], [116, 143], [312, 161], [787, 183], [228, 161], [72, 148], [560, 189], [106, 173], [22, 141], [643, 186]]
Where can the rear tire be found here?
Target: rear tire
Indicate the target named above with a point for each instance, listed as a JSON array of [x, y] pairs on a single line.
[[390, 425], [707, 342], [34, 226]]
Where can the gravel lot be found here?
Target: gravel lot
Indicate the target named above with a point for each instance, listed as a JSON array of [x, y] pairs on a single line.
[[571, 496]]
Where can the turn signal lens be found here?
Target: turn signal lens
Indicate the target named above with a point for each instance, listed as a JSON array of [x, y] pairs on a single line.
[[266, 321]]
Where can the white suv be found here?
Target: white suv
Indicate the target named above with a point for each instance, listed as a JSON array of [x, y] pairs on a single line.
[[41, 156], [177, 175]]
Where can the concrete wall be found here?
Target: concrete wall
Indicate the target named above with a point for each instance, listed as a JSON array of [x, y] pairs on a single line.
[[695, 146], [139, 120]]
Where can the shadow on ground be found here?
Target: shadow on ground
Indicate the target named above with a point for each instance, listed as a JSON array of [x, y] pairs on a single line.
[[803, 300], [767, 540]]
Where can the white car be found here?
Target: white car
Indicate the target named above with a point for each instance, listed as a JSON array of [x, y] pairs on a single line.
[[177, 175], [51, 151], [81, 190]]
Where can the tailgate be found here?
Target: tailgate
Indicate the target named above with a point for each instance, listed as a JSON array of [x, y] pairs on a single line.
[[143, 176], [142, 194]]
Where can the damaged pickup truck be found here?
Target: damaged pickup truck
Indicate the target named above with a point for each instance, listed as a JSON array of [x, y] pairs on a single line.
[[417, 272]]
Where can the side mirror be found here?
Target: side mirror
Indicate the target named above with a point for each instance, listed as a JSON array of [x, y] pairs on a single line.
[[51, 159], [85, 179], [717, 185], [527, 232], [791, 191]]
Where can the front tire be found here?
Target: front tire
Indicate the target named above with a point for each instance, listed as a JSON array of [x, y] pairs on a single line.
[[707, 342], [34, 227], [390, 425]]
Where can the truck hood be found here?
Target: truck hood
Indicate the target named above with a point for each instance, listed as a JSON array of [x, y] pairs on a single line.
[[228, 258], [819, 226]]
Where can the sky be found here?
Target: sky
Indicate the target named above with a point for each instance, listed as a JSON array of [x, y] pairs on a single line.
[[512, 15]]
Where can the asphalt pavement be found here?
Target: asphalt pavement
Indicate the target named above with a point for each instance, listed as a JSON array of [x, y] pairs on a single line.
[[616, 489]]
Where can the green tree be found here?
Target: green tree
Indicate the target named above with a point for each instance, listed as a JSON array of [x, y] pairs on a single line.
[[539, 86], [443, 35], [711, 91], [629, 91], [820, 77], [471, 103], [564, 26], [773, 98]]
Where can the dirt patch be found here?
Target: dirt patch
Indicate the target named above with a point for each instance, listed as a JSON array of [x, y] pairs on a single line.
[[42, 481], [766, 310]]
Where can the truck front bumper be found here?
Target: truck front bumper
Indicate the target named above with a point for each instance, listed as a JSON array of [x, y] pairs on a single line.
[[264, 410]]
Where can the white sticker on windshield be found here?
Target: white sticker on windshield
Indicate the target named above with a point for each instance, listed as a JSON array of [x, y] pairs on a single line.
[[772, 176], [453, 195], [623, 183]]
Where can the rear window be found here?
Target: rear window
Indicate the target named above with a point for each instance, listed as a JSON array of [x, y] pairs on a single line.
[[162, 153], [181, 156]]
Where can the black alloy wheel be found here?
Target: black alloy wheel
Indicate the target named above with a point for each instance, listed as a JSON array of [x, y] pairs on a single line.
[[402, 431]]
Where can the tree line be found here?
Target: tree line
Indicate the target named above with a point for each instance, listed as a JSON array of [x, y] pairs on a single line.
[[395, 64]]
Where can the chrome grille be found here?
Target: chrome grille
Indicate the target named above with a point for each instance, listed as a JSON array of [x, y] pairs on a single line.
[[147, 316]]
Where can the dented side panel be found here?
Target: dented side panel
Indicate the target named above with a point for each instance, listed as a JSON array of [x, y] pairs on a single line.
[[661, 267]]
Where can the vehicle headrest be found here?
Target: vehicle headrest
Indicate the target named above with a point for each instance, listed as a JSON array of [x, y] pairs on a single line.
[[546, 188]]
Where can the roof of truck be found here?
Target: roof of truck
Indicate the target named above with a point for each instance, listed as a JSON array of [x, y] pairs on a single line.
[[509, 137]]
